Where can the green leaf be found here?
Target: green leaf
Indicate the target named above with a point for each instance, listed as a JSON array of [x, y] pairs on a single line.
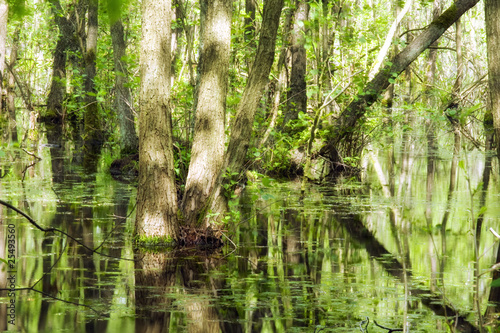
[[266, 181], [482, 211], [495, 283], [461, 165]]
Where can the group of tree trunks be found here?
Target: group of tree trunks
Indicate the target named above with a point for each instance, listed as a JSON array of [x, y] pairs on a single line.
[[212, 170]]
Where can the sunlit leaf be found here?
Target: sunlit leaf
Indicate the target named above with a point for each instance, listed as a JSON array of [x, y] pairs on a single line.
[[482, 211], [495, 283], [266, 181]]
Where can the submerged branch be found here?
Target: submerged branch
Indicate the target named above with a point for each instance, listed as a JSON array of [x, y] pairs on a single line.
[[56, 230]]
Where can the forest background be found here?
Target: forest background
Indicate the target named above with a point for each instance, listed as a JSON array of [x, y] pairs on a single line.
[[218, 92]]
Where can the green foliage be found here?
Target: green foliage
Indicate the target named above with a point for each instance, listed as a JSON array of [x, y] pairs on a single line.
[[495, 283], [18, 9], [115, 9]]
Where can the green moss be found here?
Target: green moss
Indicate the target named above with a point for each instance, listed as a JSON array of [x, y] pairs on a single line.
[[445, 18], [155, 243]]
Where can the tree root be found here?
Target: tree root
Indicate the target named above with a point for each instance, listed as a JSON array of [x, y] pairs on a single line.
[[207, 238]]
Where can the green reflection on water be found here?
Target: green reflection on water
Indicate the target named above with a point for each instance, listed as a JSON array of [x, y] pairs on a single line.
[[326, 260]]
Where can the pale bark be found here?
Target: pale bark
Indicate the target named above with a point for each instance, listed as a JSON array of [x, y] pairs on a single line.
[[156, 195], [241, 128], [11, 81], [430, 76], [129, 142], [344, 125], [207, 153], [389, 38], [492, 17]]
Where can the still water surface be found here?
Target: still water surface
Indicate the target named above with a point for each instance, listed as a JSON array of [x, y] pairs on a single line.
[[320, 262]]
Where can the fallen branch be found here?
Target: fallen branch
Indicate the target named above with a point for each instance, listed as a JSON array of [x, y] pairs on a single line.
[[389, 329], [55, 230]]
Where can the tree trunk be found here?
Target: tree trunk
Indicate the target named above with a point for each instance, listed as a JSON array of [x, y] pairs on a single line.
[[492, 17], [207, 153], [11, 85], [344, 125], [91, 117], [58, 84], [241, 129], [156, 194], [4, 10], [297, 94], [250, 23], [430, 76], [129, 143]]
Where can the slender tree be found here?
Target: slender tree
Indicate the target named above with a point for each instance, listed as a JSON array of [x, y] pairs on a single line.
[[129, 142], [67, 29], [241, 127], [297, 93], [207, 152], [93, 134], [4, 10], [156, 194], [345, 123], [492, 17]]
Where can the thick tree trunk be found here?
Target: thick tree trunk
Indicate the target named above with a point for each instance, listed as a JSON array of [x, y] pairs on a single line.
[[129, 143], [207, 153], [241, 129], [344, 125], [492, 17], [156, 195], [297, 94]]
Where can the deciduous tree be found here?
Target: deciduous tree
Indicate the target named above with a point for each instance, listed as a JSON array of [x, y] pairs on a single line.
[[156, 194]]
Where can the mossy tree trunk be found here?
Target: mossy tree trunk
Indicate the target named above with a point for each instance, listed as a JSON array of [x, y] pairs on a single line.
[[297, 93], [156, 195], [67, 30], [4, 10], [207, 153], [492, 17], [345, 124], [241, 128], [129, 143], [93, 132]]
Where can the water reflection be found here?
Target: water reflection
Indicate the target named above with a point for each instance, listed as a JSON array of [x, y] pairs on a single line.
[[328, 260]]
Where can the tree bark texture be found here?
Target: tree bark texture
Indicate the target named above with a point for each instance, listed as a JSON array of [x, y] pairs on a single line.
[[241, 128], [207, 153], [94, 138], [129, 142], [344, 125], [157, 195], [250, 23], [4, 10], [57, 88], [11, 80], [297, 94], [492, 17]]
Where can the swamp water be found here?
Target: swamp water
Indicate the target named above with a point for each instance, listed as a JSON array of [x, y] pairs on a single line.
[[322, 262]]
